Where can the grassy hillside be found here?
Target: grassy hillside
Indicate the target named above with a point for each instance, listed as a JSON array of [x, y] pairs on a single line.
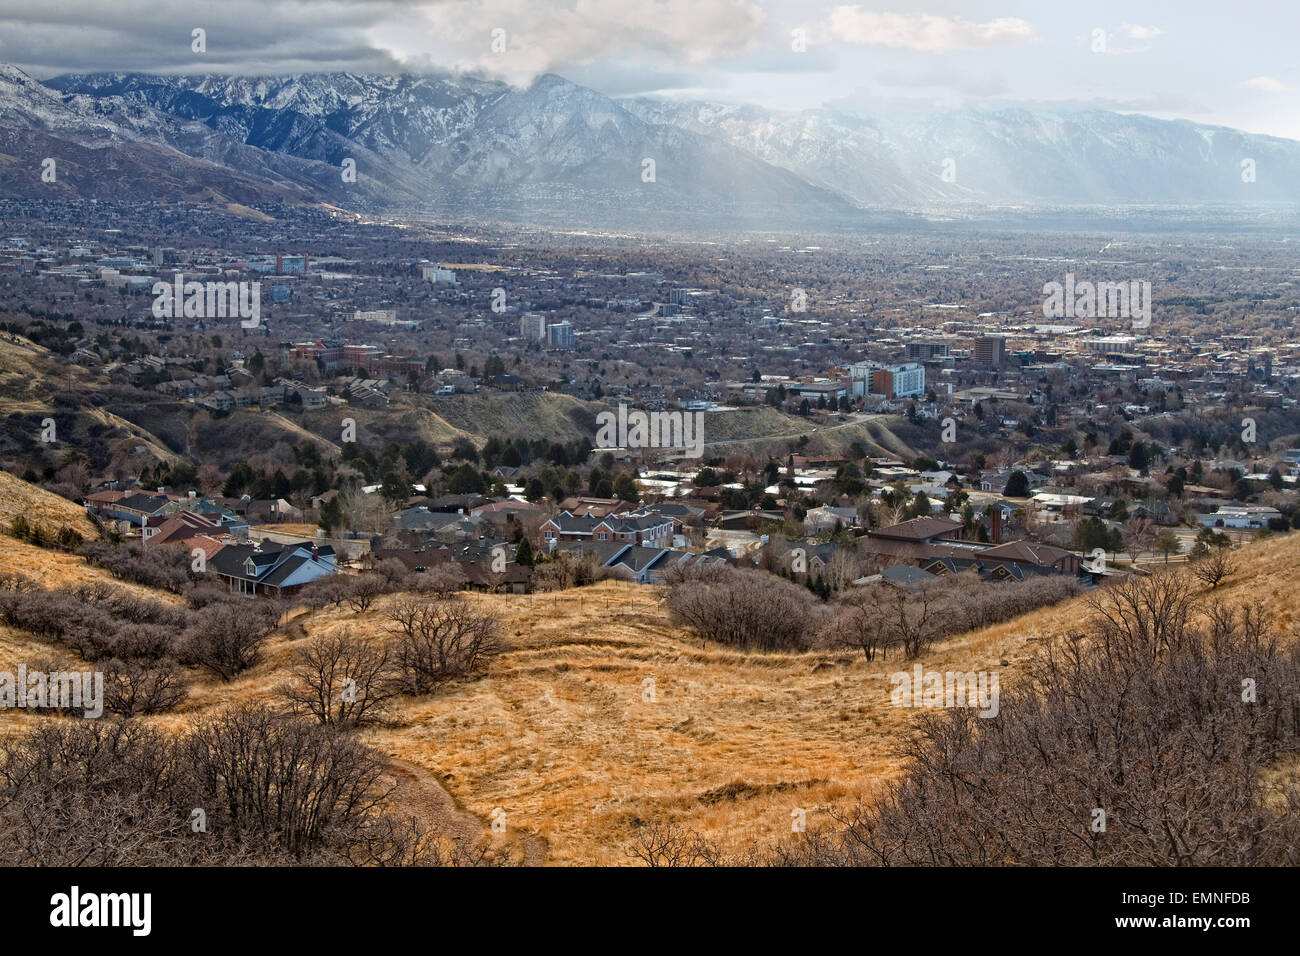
[[39, 506], [552, 416], [766, 431], [558, 732]]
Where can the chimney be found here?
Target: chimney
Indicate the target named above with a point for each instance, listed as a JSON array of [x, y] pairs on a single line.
[[995, 525], [315, 552]]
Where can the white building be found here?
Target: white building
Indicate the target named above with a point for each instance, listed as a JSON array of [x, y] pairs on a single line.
[[1239, 516], [438, 276], [532, 326]]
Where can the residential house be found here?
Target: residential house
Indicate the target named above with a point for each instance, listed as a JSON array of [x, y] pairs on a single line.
[[271, 569]]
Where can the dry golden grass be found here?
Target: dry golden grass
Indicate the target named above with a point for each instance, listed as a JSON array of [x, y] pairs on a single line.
[[303, 529], [558, 734], [39, 506]]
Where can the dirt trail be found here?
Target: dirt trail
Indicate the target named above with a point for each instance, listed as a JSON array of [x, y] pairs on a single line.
[[420, 794]]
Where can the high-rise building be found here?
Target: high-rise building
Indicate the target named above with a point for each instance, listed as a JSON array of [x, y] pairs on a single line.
[[898, 381], [990, 351], [927, 351], [532, 326], [560, 335]]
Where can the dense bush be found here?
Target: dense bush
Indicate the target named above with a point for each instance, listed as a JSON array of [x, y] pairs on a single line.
[[745, 608], [166, 567], [248, 786], [1142, 716], [440, 639]]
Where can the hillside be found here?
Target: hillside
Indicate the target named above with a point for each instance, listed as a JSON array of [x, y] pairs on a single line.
[[39, 506], [557, 732]]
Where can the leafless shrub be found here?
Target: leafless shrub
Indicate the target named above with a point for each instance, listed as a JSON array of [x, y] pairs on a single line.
[[132, 687], [341, 680], [279, 781], [746, 608], [227, 637], [1154, 722], [16, 582], [442, 579], [272, 790], [438, 640], [166, 567], [89, 793], [363, 590], [144, 641], [666, 844]]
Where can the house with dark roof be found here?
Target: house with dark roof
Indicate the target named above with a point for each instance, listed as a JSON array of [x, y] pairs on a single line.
[[649, 530], [271, 569], [135, 508]]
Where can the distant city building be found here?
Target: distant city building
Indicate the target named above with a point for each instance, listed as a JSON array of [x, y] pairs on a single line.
[[927, 351], [386, 316], [438, 275], [532, 326], [898, 381], [990, 351], [1111, 344], [291, 265], [560, 335]]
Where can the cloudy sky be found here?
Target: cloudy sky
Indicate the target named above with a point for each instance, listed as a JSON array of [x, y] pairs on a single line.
[[1203, 60]]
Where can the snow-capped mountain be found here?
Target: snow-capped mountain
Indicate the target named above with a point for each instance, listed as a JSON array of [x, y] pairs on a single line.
[[464, 145], [555, 151], [1009, 155]]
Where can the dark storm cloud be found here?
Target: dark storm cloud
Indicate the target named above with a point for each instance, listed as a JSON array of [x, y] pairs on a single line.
[[149, 35]]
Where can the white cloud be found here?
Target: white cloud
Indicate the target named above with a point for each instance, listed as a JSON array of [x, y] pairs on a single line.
[[924, 32], [1266, 84], [1136, 31], [542, 36]]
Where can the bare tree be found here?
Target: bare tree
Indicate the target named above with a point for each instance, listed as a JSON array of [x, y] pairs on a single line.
[[1139, 536], [227, 637], [438, 640], [363, 590], [856, 624], [341, 680], [662, 843], [1214, 566], [133, 687]]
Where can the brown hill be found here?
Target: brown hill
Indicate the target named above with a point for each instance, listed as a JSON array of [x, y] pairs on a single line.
[[560, 734]]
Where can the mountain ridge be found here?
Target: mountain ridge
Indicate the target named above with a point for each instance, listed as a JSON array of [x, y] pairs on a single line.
[[463, 145]]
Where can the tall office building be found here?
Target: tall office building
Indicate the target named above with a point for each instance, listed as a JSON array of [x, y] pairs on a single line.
[[532, 327], [898, 381], [991, 351], [560, 335], [927, 351]]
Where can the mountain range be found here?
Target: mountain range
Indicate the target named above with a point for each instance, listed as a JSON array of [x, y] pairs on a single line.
[[555, 152]]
